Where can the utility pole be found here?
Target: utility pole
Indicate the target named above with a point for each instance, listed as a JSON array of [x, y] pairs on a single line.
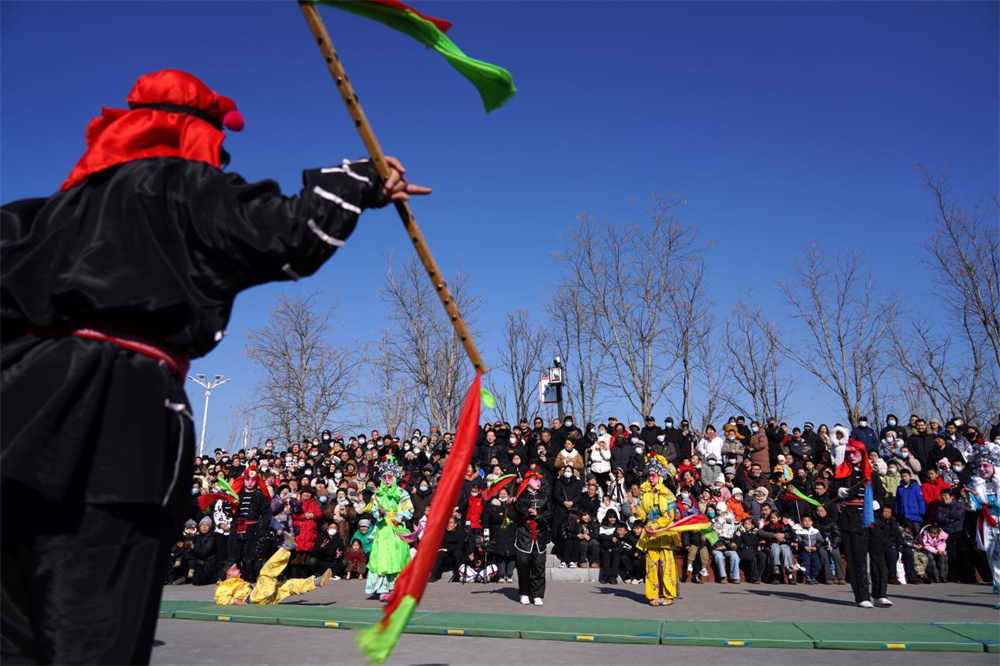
[[208, 386]]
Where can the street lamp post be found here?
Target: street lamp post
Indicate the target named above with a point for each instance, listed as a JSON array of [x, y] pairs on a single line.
[[208, 386], [556, 379]]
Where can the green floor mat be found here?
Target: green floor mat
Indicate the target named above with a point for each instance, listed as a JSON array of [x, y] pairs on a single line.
[[734, 634], [987, 634], [468, 624], [589, 629], [887, 636], [291, 614]]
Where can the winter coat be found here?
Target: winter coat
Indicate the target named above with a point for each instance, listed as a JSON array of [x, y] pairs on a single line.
[[866, 436], [951, 517], [935, 545], [910, 501], [710, 450], [810, 536], [600, 459], [308, 528], [500, 521], [758, 451], [932, 497], [838, 444], [572, 459], [420, 501]]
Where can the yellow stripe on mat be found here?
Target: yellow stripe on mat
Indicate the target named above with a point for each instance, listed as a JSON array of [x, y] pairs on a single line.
[[584, 638], [895, 646], [736, 643]]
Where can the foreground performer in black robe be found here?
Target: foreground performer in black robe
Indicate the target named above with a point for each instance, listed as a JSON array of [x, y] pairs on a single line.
[[108, 289]]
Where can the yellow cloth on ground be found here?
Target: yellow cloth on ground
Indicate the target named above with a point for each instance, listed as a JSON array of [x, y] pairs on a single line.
[[657, 506], [266, 590]]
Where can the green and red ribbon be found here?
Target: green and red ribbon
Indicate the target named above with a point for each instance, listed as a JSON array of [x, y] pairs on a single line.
[[494, 83], [800, 496]]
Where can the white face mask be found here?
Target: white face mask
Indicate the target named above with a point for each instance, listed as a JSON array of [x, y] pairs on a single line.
[[863, 423], [568, 473], [331, 531], [569, 424], [513, 440], [660, 438]]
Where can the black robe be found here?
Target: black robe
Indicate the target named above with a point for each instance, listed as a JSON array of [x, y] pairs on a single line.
[[155, 250]]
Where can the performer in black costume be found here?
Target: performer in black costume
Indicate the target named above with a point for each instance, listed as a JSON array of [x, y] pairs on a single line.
[[251, 525], [859, 541], [534, 515], [109, 288]]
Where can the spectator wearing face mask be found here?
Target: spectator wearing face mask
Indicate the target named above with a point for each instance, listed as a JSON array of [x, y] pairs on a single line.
[[757, 448], [421, 496], [566, 495], [327, 553], [570, 458], [864, 434], [732, 447]]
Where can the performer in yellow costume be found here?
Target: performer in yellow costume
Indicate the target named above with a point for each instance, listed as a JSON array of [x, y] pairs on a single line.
[[236, 591], [658, 508]]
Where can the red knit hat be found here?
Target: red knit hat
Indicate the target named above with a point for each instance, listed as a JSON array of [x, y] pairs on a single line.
[[171, 114]]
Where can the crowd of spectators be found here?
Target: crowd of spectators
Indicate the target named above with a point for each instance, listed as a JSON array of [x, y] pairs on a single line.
[[766, 489]]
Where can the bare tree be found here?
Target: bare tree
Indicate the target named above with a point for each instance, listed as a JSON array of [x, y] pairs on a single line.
[[625, 277], [845, 327], [955, 360], [690, 328], [305, 379], [757, 385], [391, 398], [521, 359], [423, 345], [583, 359]]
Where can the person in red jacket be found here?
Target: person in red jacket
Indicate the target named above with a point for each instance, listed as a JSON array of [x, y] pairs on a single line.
[[305, 518], [932, 488]]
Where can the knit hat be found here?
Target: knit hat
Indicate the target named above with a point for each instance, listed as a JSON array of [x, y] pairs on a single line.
[[206, 521], [190, 525]]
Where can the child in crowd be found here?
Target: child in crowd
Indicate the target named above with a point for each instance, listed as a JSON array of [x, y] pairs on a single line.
[[356, 561], [810, 540], [935, 543], [610, 537]]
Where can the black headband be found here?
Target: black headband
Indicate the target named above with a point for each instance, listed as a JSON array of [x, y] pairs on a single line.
[[177, 108]]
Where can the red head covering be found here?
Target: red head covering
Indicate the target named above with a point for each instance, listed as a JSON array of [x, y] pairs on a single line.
[[251, 470], [531, 474], [171, 114], [845, 468]]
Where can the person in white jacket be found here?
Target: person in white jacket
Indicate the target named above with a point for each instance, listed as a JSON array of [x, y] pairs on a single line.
[[838, 444], [600, 461], [710, 449]]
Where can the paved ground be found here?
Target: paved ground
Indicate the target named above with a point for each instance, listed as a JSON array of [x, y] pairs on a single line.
[[816, 603], [190, 642]]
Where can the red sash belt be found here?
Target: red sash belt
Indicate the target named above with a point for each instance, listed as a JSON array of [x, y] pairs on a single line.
[[179, 362]]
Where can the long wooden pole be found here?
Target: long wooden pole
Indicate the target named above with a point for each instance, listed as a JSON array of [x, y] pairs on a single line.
[[329, 54]]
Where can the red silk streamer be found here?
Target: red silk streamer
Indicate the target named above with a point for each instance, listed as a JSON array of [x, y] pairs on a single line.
[[413, 579]]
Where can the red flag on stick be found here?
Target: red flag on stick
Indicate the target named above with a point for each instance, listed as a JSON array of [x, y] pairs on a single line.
[[378, 642]]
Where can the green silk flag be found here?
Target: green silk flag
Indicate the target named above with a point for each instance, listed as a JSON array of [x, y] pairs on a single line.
[[495, 84]]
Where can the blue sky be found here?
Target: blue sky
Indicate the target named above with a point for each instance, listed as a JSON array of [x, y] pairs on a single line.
[[780, 123]]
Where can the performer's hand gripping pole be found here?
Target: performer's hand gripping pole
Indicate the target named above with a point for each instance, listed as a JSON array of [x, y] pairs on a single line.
[[329, 54]]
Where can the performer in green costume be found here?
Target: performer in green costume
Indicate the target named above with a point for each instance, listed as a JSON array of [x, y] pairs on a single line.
[[390, 508]]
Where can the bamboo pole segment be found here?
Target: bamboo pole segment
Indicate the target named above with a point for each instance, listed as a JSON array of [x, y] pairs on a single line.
[[329, 54]]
